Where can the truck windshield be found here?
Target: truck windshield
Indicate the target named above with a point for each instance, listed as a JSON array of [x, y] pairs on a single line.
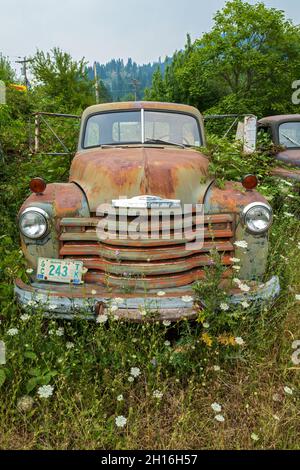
[[289, 134], [141, 127]]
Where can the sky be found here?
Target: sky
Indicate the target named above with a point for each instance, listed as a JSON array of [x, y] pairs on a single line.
[[104, 29]]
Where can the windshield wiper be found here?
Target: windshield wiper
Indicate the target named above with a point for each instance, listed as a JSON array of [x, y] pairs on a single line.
[[166, 142]]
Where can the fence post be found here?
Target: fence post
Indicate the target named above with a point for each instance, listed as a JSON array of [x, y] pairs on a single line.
[[36, 133]]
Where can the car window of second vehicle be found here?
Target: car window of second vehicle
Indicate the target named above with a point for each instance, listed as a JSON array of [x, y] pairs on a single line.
[[289, 134]]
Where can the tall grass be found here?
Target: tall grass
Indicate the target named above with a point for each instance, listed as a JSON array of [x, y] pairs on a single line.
[[166, 398]]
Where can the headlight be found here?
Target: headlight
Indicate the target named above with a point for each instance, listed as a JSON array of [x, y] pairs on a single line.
[[34, 222], [257, 217]]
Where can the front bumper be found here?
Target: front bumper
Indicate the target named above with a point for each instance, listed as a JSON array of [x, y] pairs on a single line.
[[67, 302]]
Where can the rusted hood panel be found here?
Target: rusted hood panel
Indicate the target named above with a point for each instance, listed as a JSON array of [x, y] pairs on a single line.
[[106, 174], [291, 157]]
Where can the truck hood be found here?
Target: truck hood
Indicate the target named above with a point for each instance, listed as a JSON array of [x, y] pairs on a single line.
[[111, 173], [290, 156]]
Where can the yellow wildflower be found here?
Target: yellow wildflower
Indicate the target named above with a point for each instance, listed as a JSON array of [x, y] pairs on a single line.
[[206, 339], [226, 339]]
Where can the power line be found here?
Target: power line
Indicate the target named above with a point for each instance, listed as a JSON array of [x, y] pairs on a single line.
[[24, 63]]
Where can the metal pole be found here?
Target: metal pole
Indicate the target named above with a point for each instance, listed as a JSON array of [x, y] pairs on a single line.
[[96, 83]]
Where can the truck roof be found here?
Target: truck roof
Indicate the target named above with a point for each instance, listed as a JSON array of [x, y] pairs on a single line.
[[280, 118], [136, 105]]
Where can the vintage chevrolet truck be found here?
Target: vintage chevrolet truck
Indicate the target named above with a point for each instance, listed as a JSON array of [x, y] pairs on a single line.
[[284, 131], [139, 155]]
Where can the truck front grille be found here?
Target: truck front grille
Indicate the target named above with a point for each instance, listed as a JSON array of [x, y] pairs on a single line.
[[145, 263]]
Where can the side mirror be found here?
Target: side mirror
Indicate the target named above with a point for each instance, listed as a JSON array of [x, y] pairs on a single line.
[[247, 132]]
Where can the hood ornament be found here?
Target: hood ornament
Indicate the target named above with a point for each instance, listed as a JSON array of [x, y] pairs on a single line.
[[146, 202]]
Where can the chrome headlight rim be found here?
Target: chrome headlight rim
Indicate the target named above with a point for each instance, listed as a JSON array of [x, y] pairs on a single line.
[[251, 206], [40, 212]]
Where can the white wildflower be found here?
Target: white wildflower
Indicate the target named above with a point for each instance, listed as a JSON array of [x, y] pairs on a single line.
[[297, 297], [220, 418], [113, 308], [236, 281], [121, 421], [187, 298], [120, 398], [217, 368], [45, 391], [135, 371], [245, 304], [244, 287], [276, 417], [167, 343], [25, 317], [130, 379], [160, 293], [166, 323], [101, 319], [235, 260], [224, 306], [69, 345], [12, 331], [236, 268], [288, 390], [60, 331], [158, 394], [241, 244], [216, 407], [205, 325], [254, 437], [239, 341], [29, 271]]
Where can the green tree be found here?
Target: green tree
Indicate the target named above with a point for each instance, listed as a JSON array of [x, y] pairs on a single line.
[[246, 63], [63, 82]]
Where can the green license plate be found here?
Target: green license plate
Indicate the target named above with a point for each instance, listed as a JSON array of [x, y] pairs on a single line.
[[59, 270]]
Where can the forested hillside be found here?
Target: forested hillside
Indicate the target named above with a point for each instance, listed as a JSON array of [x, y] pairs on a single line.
[[123, 79]]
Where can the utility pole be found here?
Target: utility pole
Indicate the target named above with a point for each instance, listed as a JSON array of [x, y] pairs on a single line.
[[24, 63], [135, 84], [96, 83]]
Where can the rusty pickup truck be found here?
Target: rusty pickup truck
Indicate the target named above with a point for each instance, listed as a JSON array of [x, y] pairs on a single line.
[[284, 131], [140, 156]]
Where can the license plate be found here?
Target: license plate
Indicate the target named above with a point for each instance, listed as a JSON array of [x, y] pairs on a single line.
[[59, 270]]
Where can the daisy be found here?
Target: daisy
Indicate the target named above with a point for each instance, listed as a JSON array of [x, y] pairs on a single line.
[[288, 390], [120, 398], [69, 345], [217, 368], [60, 331], [166, 323], [245, 304], [244, 287], [254, 437]]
